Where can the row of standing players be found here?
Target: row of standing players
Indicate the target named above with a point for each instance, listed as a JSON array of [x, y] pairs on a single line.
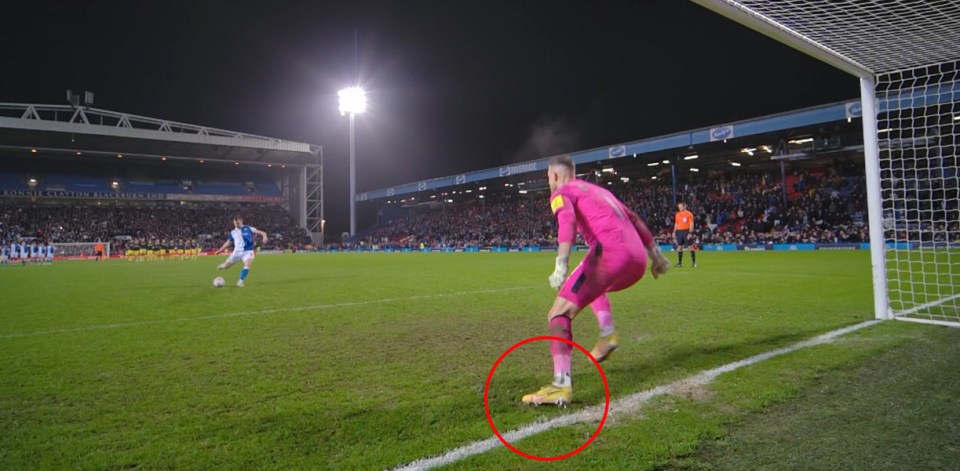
[[137, 254], [24, 254]]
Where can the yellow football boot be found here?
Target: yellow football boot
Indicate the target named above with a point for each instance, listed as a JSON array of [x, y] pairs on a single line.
[[550, 394], [605, 346]]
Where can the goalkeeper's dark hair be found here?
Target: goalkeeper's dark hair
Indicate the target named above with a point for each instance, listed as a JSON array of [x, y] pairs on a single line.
[[563, 161]]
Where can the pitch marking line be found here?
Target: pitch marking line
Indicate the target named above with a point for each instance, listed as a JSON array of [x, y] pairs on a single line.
[[623, 405], [260, 312]]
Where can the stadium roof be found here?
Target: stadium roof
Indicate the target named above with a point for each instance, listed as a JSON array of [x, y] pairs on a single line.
[[803, 121], [71, 129], [687, 142]]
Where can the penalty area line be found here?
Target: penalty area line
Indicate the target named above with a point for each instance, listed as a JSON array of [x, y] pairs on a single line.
[[623, 405], [260, 312]]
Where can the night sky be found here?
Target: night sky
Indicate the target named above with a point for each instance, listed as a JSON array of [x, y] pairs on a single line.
[[453, 86]]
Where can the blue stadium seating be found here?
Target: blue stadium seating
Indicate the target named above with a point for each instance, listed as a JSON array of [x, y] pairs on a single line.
[[73, 183], [219, 188], [101, 183], [10, 181]]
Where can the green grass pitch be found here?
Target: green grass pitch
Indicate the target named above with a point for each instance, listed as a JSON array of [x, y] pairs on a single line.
[[371, 361]]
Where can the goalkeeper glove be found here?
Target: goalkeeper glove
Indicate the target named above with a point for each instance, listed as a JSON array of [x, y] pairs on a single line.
[[559, 273], [660, 264]]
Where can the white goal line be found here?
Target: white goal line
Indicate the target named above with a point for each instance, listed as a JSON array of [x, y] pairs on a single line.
[[623, 405]]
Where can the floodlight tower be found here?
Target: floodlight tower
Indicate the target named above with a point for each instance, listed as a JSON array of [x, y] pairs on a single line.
[[353, 100]]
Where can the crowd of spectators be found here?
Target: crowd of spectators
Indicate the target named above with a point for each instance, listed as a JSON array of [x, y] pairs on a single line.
[[145, 225], [507, 221], [824, 205], [813, 205]]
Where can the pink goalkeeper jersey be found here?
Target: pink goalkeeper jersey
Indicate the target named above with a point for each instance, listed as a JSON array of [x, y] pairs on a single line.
[[600, 216]]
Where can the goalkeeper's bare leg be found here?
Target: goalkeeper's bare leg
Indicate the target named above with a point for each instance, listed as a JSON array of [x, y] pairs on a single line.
[[609, 340], [560, 390]]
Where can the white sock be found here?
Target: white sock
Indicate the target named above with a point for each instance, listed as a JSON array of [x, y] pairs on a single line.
[[562, 380]]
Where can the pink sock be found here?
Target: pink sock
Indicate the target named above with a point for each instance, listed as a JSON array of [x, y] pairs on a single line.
[[560, 327], [601, 309]]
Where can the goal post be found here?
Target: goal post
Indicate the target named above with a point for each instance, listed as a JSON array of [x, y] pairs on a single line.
[[906, 55], [871, 162]]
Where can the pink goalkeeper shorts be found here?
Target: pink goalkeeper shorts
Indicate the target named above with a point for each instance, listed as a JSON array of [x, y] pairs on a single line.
[[604, 270]]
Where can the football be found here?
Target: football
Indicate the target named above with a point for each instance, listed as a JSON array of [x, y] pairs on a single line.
[[218, 282]]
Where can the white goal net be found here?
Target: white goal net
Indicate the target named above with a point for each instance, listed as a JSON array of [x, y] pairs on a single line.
[[906, 54], [918, 124], [81, 250]]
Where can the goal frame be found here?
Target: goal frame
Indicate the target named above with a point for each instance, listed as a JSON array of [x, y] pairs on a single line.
[[868, 95], [61, 248]]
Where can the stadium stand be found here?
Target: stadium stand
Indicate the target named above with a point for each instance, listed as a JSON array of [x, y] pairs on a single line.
[[137, 204], [823, 204], [75, 173], [77, 178]]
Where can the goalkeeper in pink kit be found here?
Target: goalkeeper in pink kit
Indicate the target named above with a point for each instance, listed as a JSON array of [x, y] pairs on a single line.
[[619, 244]]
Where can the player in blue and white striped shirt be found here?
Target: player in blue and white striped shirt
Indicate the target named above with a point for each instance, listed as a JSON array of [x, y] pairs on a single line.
[[34, 253], [14, 252], [242, 237], [23, 253], [51, 250]]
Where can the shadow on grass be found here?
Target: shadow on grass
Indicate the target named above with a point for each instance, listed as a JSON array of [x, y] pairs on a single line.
[[626, 374]]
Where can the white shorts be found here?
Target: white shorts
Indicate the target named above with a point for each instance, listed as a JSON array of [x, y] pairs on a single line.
[[237, 257]]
